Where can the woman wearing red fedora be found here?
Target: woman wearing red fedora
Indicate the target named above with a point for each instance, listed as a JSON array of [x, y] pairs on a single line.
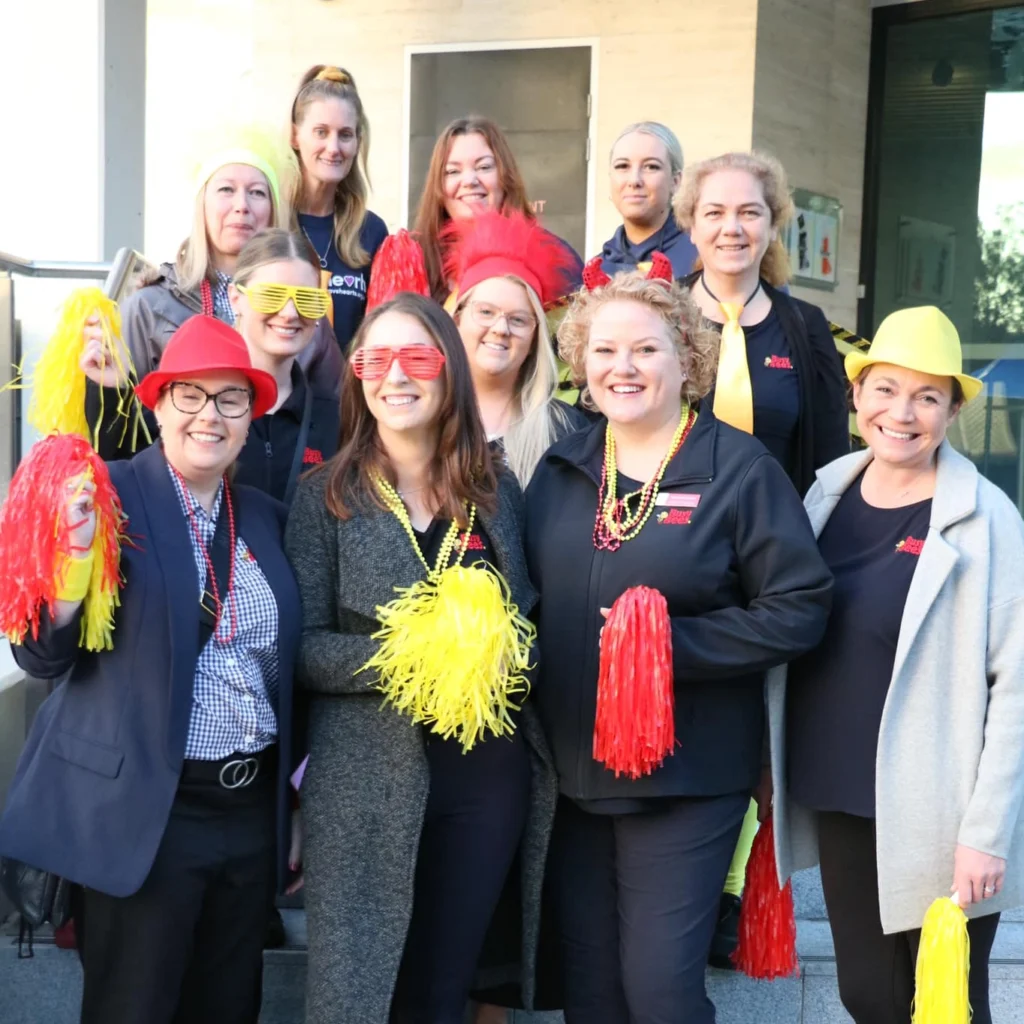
[[155, 775]]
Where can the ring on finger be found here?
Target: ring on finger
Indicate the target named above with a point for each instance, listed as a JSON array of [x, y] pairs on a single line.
[[988, 890]]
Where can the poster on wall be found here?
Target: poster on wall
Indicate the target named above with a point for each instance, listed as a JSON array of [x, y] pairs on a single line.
[[812, 239], [925, 263]]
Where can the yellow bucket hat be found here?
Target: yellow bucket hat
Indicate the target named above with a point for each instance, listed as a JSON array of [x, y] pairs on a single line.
[[922, 338]]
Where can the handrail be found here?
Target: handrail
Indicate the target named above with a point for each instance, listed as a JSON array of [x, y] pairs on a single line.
[[52, 268]]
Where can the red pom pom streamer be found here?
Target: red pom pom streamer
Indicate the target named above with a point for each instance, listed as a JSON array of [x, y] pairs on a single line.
[[767, 931], [634, 729], [35, 539], [398, 267]]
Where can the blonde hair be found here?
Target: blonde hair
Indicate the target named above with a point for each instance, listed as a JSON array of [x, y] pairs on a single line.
[[324, 82], [193, 261], [663, 134], [538, 413], [695, 343], [775, 268]]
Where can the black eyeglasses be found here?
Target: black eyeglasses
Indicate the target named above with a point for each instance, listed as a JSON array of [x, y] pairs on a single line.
[[191, 399]]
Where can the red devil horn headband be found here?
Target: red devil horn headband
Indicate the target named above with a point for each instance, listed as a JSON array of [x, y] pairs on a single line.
[[595, 277]]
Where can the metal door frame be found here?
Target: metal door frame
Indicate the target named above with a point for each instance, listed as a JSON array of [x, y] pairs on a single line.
[[590, 42]]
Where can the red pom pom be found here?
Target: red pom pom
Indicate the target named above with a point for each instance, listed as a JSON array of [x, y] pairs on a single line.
[[635, 729], [35, 537], [398, 267], [767, 931]]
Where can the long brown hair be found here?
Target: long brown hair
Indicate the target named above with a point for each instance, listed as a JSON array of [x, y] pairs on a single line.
[[431, 215], [351, 194], [462, 472]]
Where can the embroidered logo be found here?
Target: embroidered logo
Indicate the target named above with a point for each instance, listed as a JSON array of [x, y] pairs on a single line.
[[312, 456], [675, 517], [910, 546], [475, 543], [778, 362]]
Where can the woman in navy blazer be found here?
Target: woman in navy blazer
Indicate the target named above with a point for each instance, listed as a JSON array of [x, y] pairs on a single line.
[[156, 774]]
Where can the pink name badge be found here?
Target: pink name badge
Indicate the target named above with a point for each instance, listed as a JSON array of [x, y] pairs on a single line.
[[677, 499]]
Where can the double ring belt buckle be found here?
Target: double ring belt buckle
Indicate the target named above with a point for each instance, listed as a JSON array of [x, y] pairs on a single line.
[[240, 772]]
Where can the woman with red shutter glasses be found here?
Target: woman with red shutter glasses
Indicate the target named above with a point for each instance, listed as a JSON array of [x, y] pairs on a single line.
[[665, 497], [407, 548]]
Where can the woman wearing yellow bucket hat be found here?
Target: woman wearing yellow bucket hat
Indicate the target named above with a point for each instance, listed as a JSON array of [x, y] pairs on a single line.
[[898, 744]]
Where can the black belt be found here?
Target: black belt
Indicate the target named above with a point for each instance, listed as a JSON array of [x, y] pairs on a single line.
[[236, 771]]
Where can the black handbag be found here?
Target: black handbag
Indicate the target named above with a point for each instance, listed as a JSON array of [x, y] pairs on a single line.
[[38, 896]]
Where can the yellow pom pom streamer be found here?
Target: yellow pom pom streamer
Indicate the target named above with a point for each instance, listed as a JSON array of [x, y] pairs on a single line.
[[454, 650], [58, 383], [943, 962]]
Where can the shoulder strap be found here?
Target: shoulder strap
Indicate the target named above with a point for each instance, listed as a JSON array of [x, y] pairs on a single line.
[[300, 445]]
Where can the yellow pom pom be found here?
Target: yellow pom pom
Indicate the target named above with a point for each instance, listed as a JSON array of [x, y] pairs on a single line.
[[943, 962], [454, 653], [73, 578]]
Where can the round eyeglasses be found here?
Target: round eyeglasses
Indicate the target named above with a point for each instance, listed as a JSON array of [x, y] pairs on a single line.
[[191, 399], [486, 315]]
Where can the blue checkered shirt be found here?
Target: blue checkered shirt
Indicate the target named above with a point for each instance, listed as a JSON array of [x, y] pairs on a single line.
[[236, 681], [221, 303]]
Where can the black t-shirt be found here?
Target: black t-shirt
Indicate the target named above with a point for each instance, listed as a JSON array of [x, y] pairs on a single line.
[[775, 386], [493, 753], [836, 693], [347, 284]]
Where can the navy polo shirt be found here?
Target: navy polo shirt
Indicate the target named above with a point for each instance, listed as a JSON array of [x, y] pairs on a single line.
[[347, 285], [836, 693]]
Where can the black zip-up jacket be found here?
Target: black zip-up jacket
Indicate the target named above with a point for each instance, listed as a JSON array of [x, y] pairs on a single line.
[[734, 556]]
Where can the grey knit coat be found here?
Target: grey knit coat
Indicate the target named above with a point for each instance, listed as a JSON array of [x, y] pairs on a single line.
[[365, 790]]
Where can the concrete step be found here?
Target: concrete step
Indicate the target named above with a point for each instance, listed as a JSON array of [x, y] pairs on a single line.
[[48, 987]]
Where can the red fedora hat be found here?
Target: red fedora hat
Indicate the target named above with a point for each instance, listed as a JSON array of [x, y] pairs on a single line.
[[203, 344]]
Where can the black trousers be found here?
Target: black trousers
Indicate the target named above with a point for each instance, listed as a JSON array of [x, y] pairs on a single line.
[[876, 971], [187, 948], [637, 898], [476, 811]]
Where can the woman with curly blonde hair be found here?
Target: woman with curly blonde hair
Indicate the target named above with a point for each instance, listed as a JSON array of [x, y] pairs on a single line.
[[660, 494]]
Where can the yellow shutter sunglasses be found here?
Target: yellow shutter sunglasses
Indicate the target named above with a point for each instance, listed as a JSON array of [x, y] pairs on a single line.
[[264, 297]]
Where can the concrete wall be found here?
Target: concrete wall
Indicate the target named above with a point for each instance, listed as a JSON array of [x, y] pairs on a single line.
[[810, 110]]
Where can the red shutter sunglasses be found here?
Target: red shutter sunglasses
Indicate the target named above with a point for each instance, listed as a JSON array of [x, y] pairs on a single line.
[[421, 362]]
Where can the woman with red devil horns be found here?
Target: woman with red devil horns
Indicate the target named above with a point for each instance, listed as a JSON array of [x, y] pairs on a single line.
[[683, 538]]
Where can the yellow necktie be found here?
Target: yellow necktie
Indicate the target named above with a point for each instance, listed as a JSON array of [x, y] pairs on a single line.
[[325, 283], [734, 397]]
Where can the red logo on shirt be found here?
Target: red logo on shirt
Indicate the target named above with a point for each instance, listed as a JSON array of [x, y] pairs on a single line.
[[475, 543], [910, 546], [675, 517], [312, 456], [778, 362]]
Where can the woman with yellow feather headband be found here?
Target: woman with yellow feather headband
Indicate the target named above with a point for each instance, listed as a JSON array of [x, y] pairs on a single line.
[[427, 769]]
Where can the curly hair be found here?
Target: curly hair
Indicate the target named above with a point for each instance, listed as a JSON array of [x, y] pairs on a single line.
[[775, 268], [695, 342]]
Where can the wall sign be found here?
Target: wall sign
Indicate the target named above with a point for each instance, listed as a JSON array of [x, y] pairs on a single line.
[[812, 240]]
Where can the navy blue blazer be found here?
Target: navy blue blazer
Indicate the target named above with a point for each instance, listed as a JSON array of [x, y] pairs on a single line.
[[94, 786]]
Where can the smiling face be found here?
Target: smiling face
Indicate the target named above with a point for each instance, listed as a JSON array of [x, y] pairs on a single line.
[[732, 224], [472, 181], [501, 349], [237, 204], [641, 179], [201, 446], [902, 414], [327, 140], [633, 370], [399, 403], [280, 335]]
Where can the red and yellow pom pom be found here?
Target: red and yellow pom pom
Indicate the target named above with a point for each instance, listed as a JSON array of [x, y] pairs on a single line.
[[767, 930], [943, 965], [634, 728], [398, 267], [35, 541]]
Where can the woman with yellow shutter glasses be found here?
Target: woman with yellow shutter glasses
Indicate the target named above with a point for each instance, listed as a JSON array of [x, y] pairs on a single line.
[[779, 375]]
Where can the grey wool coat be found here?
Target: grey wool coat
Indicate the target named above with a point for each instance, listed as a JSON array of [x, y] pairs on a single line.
[[365, 789], [950, 762]]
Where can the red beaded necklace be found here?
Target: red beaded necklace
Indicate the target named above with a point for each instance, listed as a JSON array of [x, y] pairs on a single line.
[[211, 576], [206, 297]]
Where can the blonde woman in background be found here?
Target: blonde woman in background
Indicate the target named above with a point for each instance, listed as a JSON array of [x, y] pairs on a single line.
[[779, 376], [330, 136]]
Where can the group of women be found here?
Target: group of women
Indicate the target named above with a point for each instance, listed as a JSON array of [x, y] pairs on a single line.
[[850, 662]]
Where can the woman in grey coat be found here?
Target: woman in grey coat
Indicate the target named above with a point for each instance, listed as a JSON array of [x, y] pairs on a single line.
[[408, 840], [898, 744]]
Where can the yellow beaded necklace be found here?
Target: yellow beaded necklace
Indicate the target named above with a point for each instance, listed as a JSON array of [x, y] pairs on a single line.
[[394, 502], [614, 523]]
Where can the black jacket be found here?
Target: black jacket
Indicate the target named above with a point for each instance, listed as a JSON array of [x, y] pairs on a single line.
[[823, 427], [746, 590]]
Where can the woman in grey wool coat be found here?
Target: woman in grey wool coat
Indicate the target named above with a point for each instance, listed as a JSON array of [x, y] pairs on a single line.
[[408, 840]]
